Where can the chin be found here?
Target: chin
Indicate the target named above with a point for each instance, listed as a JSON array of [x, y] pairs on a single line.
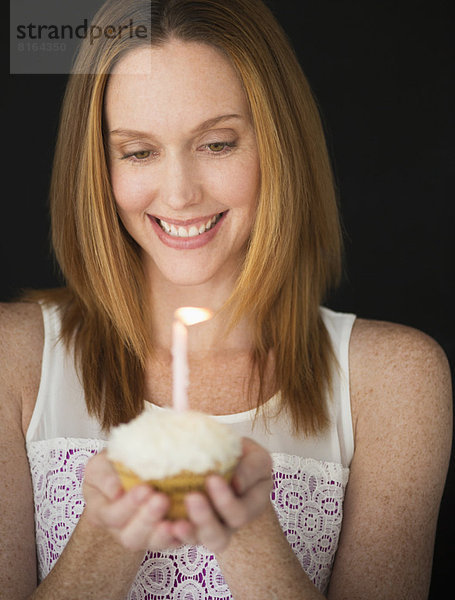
[[195, 271], [187, 279], [180, 276]]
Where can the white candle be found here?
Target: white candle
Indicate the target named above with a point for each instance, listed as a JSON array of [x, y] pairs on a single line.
[[183, 317], [180, 370]]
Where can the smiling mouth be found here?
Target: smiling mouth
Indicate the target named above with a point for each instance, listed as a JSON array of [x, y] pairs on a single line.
[[189, 231]]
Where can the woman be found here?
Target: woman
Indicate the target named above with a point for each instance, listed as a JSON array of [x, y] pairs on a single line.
[[191, 169]]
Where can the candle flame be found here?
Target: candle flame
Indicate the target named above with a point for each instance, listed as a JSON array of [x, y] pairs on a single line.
[[190, 315]]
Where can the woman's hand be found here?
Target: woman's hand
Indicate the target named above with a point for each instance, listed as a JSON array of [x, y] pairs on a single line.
[[230, 507], [137, 518]]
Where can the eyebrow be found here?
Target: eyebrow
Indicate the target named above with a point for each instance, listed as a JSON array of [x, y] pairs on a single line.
[[215, 121], [208, 124]]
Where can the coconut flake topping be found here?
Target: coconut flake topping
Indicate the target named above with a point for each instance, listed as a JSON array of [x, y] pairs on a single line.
[[167, 442]]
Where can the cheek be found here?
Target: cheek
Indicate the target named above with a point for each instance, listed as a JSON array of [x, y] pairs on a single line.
[[240, 187], [129, 193]]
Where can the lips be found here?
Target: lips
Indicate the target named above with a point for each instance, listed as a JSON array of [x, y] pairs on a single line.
[[188, 234]]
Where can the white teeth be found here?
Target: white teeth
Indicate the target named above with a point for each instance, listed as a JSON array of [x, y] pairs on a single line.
[[193, 231]]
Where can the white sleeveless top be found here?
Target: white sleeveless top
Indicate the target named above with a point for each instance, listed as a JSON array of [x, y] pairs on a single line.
[[310, 473]]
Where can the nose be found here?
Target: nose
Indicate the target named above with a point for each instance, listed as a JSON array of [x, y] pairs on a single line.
[[178, 186]]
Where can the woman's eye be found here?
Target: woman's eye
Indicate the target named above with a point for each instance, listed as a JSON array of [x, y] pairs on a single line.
[[141, 155], [219, 147]]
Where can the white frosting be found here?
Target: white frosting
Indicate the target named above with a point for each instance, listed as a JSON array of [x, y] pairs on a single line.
[[165, 443]]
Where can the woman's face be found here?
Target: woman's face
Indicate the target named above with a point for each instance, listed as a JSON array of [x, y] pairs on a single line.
[[183, 160]]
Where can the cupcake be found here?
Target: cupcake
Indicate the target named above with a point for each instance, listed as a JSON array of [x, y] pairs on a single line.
[[174, 452]]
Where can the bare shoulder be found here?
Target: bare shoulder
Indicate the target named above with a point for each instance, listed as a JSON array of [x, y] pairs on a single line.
[[20, 316], [389, 361], [21, 347], [21, 334], [386, 341], [400, 391]]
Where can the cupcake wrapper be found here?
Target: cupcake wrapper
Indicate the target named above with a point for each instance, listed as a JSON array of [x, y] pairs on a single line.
[[176, 487]]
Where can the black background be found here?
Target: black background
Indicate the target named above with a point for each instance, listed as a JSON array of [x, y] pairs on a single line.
[[382, 74]]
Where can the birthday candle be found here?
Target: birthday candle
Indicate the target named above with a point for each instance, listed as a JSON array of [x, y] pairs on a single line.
[[183, 318]]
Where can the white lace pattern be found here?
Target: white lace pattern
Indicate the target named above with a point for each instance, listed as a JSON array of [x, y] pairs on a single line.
[[307, 496]]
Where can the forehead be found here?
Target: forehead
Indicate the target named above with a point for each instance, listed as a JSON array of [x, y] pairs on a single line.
[[177, 83]]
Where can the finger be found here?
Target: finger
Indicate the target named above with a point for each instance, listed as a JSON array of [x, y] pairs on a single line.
[[116, 514], [135, 537], [237, 511], [101, 475], [147, 529], [255, 465], [185, 532], [231, 509], [163, 538], [210, 531]]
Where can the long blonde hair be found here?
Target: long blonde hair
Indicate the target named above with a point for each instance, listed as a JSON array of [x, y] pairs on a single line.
[[293, 256]]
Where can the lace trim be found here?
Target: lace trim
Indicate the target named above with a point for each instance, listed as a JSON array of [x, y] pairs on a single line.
[[307, 496]]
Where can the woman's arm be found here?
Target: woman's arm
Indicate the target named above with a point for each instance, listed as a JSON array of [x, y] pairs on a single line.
[[258, 561], [92, 565], [95, 564], [402, 409], [20, 343]]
